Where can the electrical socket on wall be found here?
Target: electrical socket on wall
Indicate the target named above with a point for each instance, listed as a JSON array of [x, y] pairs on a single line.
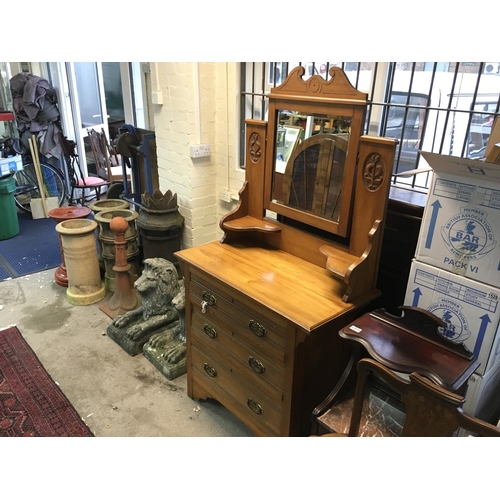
[[225, 195], [199, 150], [157, 97]]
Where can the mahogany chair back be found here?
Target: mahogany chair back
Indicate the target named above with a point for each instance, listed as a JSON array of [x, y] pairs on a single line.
[[431, 411]]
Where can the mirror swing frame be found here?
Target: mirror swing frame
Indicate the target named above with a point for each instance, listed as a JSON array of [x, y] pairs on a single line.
[[364, 194], [317, 97]]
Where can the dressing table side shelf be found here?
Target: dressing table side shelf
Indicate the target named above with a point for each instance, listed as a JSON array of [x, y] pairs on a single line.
[[249, 213]]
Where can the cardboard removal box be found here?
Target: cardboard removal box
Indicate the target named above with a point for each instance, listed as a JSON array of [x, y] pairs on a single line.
[[461, 222], [470, 309], [482, 397]]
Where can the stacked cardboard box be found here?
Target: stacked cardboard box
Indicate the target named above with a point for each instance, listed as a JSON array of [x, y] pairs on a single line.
[[11, 165], [456, 270]]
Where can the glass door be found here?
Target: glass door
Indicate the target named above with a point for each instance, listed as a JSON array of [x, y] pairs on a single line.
[[88, 103]]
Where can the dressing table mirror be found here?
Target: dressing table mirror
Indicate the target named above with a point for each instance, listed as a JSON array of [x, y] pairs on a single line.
[[297, 262], [318, 156], [310, 164]]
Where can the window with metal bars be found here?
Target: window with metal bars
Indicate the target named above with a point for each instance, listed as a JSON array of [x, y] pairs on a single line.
[[442, 107]]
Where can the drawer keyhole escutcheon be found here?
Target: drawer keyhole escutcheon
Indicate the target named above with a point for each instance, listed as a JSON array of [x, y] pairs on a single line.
[[208, 300], [255, 407], [210, 370], [211, 332], [257, 328], [256, 365]]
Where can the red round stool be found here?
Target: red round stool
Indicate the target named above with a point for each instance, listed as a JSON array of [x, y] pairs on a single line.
[[59, 215]]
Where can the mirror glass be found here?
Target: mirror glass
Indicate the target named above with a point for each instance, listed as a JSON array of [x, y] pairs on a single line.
[[311, 154]]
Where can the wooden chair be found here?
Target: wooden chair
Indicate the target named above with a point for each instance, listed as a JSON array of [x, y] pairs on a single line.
[[76, 178], [106, 158], [428, 411]]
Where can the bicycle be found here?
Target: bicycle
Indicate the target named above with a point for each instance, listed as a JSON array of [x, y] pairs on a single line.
[[26, 180]]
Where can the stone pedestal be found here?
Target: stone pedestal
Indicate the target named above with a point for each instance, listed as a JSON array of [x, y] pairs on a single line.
[[125, 297], [82, 265], [59, 215]]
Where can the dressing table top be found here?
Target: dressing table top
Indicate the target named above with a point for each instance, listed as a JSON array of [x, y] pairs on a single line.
[[300, 291]]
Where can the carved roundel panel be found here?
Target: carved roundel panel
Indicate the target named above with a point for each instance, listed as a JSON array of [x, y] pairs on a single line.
[[373, 171], [255, 147], [315, 85]]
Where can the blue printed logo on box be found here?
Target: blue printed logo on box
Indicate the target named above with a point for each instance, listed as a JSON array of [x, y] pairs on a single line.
[[457, 328], [468, 235]]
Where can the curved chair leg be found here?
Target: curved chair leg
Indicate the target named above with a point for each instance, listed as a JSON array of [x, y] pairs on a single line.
[[325, 405]]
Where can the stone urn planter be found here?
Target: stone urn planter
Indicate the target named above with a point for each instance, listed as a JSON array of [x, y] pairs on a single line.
[[82, 265], [106, 239], [160, 225], [100, 206], [109, 204], [61, 214]]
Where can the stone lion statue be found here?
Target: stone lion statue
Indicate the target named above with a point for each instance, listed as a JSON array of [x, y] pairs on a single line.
[[162, 295], [170, 343]]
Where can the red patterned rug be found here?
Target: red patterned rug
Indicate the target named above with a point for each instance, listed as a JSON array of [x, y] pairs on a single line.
[[31, 404]]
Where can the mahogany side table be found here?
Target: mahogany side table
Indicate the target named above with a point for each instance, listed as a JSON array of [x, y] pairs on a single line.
[[406, 344], [411, 343]]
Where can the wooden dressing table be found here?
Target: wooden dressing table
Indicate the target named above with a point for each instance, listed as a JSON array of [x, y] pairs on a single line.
[[265, 304]]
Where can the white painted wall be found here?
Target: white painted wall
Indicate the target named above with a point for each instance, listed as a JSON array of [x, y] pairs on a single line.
[[200, 104]]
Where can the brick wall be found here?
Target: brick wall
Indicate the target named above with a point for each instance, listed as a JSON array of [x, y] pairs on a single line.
[[197, 182]]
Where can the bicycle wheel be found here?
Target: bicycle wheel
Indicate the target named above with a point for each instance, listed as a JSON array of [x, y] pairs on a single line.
[[27, 184]]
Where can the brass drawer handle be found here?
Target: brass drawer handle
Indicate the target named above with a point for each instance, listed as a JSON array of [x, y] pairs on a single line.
[[210, 370], [209, 298], [257, 328], [255, 407], [211, 332], [256, 365]]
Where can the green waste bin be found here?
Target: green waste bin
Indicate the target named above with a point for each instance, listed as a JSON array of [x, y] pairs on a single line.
[[9, 224]]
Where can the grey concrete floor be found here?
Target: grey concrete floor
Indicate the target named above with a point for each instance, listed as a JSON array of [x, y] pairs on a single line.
[[115, 394]]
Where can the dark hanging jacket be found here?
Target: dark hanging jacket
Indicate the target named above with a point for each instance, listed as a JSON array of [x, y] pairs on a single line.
[[35, 105]]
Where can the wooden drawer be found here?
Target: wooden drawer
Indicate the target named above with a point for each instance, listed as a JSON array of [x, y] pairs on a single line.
[[273, 319], [258, 328], [237, 358], [262, 346], [255, 406]]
